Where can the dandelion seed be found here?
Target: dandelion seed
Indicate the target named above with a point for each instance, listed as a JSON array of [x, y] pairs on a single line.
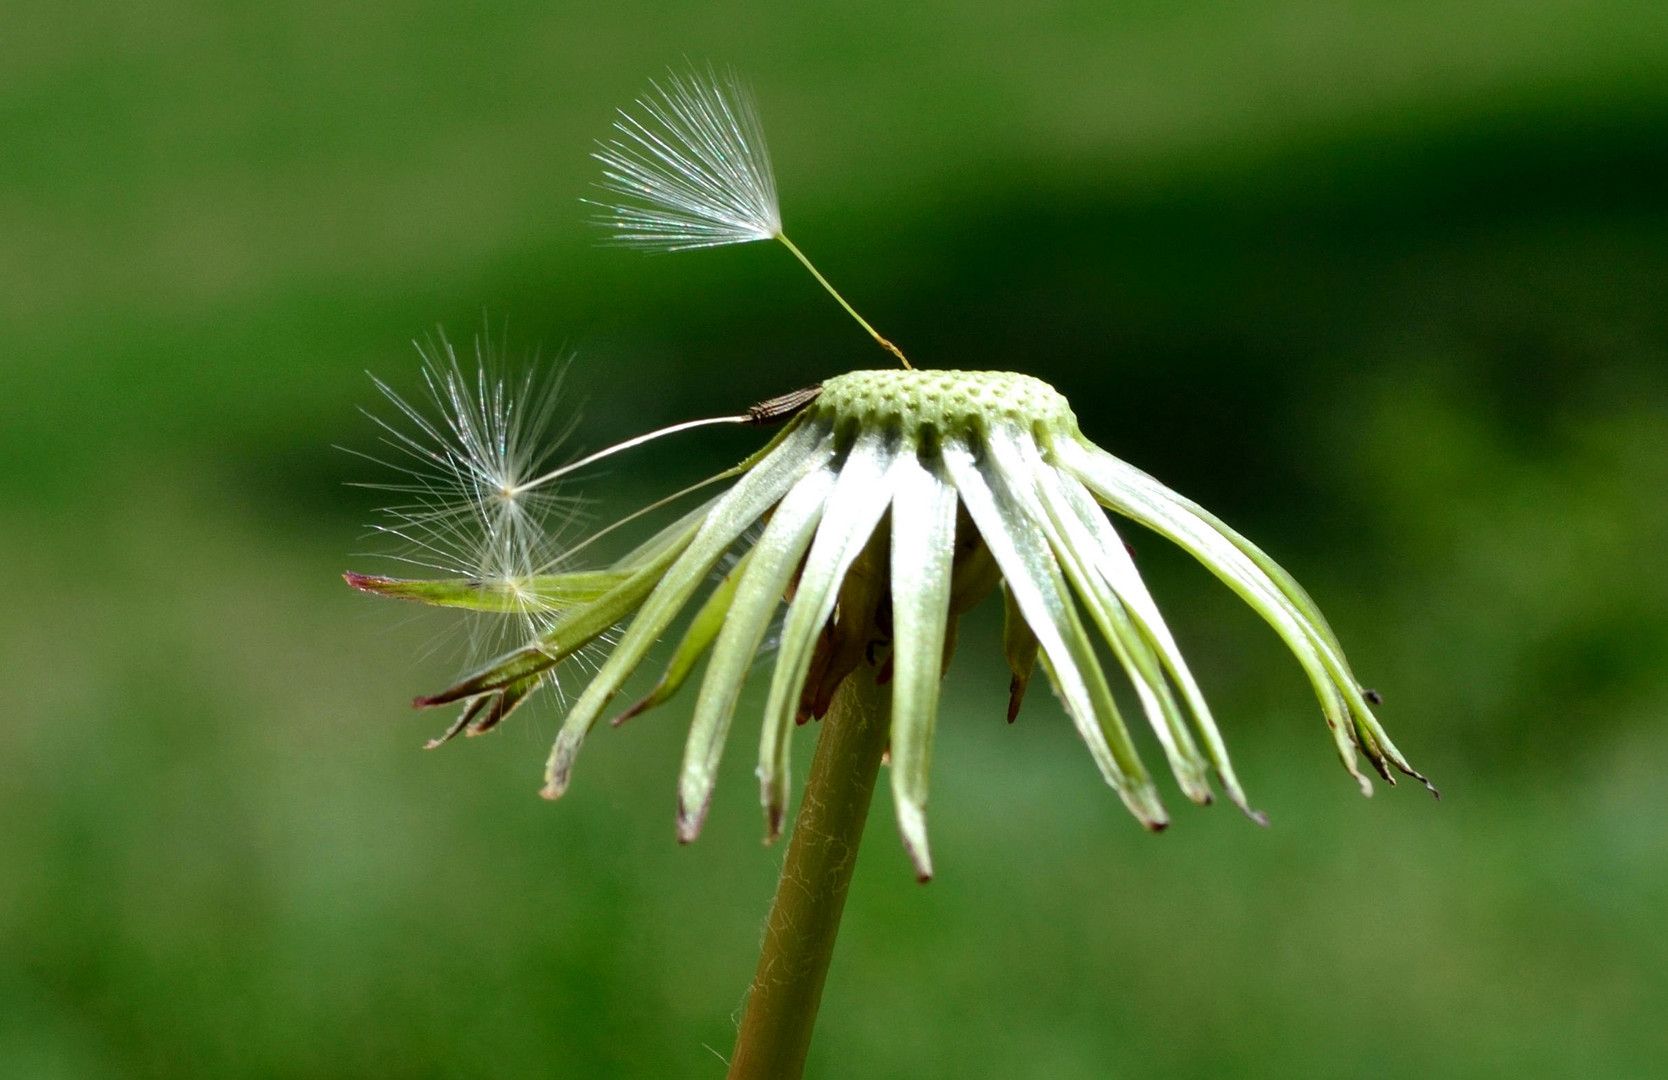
[[483, 506], [696, 174], [464, 458]]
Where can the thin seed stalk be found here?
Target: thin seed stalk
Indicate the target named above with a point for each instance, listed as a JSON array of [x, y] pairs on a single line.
[[822, 853]]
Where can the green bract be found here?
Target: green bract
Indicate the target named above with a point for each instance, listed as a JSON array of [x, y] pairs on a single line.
[[955, 482]]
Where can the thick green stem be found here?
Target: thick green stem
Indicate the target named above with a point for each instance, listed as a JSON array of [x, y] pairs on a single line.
[[822, 853]]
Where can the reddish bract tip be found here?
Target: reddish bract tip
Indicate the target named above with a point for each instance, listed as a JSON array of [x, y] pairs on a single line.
[[629, 713], [362, 582]]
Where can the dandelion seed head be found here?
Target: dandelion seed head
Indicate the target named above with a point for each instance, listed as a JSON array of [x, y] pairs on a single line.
[[886, 508], [692, 166]]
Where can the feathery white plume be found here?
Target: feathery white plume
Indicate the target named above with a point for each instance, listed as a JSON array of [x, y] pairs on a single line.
[[698, 175], [697, 170], [467, 456], [482, 506]]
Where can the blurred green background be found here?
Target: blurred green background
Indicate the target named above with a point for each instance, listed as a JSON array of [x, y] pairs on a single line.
[[1384, 284]]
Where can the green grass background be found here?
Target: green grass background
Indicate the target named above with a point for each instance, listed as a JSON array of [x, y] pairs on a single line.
[[1385, 284]]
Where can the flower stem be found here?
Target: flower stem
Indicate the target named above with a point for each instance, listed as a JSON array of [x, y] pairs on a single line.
[[822, 853]]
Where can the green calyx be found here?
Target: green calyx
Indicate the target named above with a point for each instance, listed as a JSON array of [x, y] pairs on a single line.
[[944, 402]]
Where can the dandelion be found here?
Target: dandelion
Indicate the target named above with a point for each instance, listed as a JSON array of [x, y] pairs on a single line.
[[889, 505]]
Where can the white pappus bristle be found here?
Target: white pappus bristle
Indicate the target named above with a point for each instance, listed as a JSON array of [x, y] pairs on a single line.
[[693, 167]]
